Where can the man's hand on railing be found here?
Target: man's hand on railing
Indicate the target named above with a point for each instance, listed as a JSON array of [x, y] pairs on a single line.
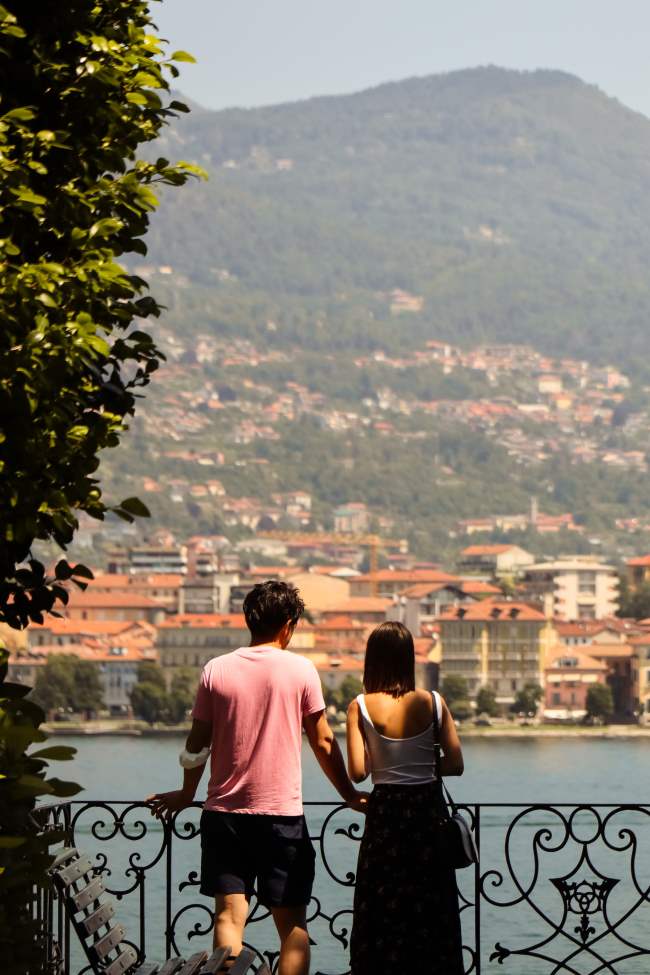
[[165, 804], [359, 802]]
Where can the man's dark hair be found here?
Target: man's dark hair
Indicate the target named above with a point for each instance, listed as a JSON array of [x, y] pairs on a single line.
[[269, 605], [390, 660]]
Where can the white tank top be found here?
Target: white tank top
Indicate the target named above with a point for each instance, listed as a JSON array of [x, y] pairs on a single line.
[[400, 761]]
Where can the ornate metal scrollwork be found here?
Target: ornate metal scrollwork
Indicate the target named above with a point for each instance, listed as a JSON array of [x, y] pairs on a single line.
[[564, 890]]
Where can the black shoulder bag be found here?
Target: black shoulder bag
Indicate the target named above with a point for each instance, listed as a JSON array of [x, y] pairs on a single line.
[[456, 846]]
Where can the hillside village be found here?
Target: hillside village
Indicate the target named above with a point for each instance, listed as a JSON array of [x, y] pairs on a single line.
[[541, 411]]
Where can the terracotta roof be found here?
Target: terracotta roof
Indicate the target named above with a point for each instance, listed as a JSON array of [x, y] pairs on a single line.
[[639, 560], [90, 627], [271, 571], [487, 549], [585, 661], [126, 600], [610, 650], [340, 623], [204, 620], [341, 663], [424, 588], [359, 604], [642, 640], [471, 586], [497, 610], [124, 581], [406, 575]]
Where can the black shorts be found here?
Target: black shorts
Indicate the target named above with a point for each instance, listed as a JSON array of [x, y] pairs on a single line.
[[241, 852]]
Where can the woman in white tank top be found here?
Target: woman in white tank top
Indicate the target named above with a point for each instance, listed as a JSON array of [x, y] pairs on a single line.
[[406, 915]]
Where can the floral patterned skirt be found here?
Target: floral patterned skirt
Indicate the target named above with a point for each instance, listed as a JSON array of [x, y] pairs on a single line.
[[406, 916]]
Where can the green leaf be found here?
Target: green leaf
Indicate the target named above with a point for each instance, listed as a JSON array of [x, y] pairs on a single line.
[[55, 753], [182, 56], [62, 789], [135, 507], [105, 227]]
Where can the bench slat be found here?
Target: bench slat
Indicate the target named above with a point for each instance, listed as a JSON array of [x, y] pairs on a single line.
[[98, 918], [216, 961], [193, 964], [171, 966], [91, 893], [77, 869], [148, 968], [102, 947], [63, 857], [243, 962], [123, 962]]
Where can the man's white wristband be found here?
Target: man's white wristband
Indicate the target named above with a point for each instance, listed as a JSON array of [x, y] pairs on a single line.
[[194, 759]]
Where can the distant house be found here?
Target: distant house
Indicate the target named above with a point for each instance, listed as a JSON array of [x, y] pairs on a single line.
[[351, 518], [568, 676], [491, 561]]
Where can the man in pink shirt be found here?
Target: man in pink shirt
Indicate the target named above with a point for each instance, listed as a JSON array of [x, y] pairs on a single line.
[[250, 710]]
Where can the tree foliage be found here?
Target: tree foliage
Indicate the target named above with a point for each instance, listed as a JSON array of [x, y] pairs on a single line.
[[600, 703], [527, 699], [341, 697], [68, 682], [152, 702], [634, 603], [77, 102], [486, 702], [24, 848]]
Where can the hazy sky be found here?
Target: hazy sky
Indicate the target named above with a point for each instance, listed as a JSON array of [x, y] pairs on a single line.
[[257, 52]]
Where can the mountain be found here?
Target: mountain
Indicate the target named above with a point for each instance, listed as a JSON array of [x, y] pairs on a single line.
[[516, 205]]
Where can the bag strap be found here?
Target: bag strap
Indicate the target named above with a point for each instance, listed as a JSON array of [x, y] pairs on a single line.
[[437, 755]]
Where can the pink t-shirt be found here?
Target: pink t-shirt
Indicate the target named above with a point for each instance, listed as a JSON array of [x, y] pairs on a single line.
[[255, 698]]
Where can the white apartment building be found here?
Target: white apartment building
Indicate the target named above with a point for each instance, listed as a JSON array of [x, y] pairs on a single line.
[[582, 588]]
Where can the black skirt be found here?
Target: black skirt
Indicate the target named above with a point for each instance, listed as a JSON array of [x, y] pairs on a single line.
[[406, 915]]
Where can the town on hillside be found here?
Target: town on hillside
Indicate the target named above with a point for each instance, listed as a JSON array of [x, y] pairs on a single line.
[[503, 634], [544, 424]]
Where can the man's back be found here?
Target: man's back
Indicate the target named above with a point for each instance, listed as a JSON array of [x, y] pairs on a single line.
[[255, 698]]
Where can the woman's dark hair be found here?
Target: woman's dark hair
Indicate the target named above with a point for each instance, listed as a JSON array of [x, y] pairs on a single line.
[[269, 605], [390, 660]]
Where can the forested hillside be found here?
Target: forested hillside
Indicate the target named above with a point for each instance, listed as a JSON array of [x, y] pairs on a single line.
[[516, 205]]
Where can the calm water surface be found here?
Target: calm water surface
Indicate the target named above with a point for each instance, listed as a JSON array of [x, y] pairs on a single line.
[[510, 771]]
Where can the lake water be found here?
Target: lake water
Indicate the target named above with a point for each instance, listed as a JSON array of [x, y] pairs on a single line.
[[577, 885]]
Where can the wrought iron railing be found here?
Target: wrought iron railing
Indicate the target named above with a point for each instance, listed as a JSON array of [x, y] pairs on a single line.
[[559, 888]]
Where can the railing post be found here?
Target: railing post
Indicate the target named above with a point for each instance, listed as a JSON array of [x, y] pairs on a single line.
[[167, 826], [477, 891]]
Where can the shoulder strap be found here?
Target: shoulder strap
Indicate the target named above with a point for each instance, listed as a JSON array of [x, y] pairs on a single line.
[[437, 753], [437, 748]]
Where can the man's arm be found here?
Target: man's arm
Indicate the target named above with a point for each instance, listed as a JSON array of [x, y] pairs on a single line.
[[164, 804], [326, 749]]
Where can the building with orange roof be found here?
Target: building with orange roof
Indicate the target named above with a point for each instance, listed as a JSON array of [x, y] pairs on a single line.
[[365, 609], [421, 604], [341, 635], [391, 582], [191, 639], [163, 587], [638, 571], [117, 606], [569, 673], [64, 632], [619, 660], [491, 561], [497, 643], [117, 665], [641, 675]]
